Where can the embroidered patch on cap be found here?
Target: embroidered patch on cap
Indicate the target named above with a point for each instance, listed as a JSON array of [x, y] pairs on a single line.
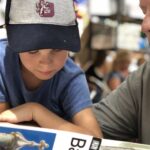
[[45, 8]]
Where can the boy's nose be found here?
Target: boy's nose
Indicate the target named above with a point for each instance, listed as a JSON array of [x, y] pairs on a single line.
[[46, 59], [46, 64]]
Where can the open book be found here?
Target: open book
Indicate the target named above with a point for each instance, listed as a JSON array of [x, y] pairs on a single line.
[[21, 137]]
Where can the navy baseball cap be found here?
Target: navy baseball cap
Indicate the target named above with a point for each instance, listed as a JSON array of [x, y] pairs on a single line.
[[41, 24]]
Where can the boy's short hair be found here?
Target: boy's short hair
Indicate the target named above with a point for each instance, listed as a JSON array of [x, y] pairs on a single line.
[[41, 24]]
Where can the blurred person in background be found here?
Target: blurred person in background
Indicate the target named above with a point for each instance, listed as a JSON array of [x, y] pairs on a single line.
[[119, 70], [140, 61], [96, 75]]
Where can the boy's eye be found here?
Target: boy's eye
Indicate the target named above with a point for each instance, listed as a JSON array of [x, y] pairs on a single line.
[[33, 52]]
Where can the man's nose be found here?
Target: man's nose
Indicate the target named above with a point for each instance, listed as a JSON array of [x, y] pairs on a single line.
[[146, 24]]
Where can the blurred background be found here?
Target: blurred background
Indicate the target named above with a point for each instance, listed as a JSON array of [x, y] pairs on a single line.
[[112, 43]]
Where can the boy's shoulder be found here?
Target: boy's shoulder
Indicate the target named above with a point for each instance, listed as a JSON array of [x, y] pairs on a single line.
[[69, 72], [6, 55], [71, 67], [3, 46], [3, 42]]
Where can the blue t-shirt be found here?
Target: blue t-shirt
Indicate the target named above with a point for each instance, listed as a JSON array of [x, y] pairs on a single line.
[[65, 94]]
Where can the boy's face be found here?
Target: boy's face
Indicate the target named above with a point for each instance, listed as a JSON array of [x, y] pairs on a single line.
[[145, 6], [43, 64]]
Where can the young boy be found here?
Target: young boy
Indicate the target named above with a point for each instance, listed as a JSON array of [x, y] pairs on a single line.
[[37, 79]]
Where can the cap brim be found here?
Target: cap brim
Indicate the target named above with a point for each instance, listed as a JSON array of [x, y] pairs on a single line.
[[27, 37]]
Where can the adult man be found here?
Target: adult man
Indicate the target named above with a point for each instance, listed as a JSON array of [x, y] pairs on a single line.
[[124, 114]]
